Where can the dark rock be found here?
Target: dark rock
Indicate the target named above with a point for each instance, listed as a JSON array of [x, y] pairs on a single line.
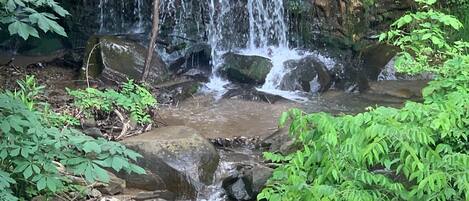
[[238, 188], [175, 91], [93, 132], [176, 159], [305, 71], [88, 123], [196, 60], [375, 58], [249, 93], [247, 182], [260, 175], [153, 195], [117, 59], [114, 187], [277, 139], [245, 69]]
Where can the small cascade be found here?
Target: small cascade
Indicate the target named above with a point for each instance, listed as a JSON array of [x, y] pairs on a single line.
[[218, 10], [115, 18]]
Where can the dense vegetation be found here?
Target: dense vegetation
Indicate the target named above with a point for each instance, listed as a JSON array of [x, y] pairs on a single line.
[[418, 152], [39, 155]]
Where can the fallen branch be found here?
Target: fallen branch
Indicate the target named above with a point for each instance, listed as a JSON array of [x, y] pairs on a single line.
[[125, 124]]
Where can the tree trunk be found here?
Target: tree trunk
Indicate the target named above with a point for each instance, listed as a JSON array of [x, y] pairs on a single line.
[[153, 36]]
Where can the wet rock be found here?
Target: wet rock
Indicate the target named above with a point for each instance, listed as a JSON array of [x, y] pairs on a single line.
[[117, 59], [404, 89], [114, 187], [304, 74], [249, 93], [277, 139], [176, 159], [195, 63], [245, 69], [155, 195], [238, 189], [175, 91], [375, 58], [260, 175], [248, 182]]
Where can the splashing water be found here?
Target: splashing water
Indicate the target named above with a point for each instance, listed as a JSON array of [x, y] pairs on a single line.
[[216, 29]]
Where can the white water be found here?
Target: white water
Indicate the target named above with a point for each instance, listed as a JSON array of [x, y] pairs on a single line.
[[267, 35], [115, 18], [215, 30]]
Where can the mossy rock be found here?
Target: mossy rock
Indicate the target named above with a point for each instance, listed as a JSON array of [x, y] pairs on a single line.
[[116, 59], [246, 69]]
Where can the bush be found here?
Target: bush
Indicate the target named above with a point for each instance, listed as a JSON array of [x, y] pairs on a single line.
[[36, 157], [132, 98], [418, 152]]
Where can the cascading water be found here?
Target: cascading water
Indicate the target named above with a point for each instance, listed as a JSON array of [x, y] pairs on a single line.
[[261, 30], [114, 17]]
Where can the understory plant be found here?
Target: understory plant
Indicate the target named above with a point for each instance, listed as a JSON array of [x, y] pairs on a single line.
[[417, 152], [23, 17], [41, 157], [132, 98]]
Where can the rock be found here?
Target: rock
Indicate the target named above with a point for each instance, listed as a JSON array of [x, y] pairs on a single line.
[[260, 175], [176, 159], [44, 198], [248, 182], [195, 63], [249, 93], [117, 59], [304, 74], [94, 193], [375, 58], [277, 139], [115, 186], [245, 69], [93, 132], [238, 188], [404, 89], [153, 195], [177, 90]]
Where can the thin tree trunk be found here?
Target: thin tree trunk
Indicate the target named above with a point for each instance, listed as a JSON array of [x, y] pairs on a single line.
[[154, 35]]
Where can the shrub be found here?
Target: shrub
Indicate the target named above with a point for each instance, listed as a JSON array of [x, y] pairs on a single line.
[[418, 152], [32, 150], [132, 98]]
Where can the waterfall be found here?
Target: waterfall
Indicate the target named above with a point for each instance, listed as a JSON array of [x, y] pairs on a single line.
[[266, 24], [255, 27], [217, 10], [121, 17]]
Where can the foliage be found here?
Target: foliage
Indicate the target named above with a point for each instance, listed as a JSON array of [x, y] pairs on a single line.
[[132, 98], [23, 16], [32, 151], [418, 152], [422, 37]]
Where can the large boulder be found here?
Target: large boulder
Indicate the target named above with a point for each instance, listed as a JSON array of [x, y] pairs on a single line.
[[176, 159], [306, 74], [245, 68], [116, 59]]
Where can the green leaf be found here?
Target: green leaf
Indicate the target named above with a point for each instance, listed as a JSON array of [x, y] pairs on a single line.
[[28, 172], [5, 127], [91, 147], [41, 184]]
